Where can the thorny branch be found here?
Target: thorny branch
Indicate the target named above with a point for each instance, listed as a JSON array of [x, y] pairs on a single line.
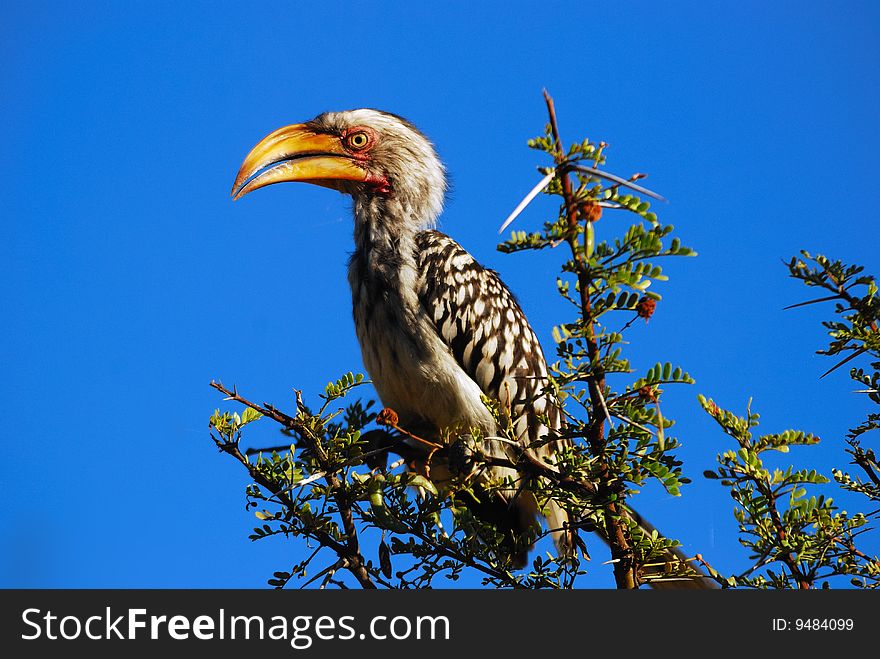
[[621, 553], [349, 552], [787, 557]]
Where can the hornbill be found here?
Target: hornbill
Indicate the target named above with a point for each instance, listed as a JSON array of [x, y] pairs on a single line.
[[438, 332]]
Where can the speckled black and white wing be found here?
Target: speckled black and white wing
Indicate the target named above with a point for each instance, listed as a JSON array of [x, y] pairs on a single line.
[[486, 331]]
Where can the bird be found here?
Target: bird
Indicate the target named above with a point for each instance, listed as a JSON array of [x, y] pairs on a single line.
[[439, 333]]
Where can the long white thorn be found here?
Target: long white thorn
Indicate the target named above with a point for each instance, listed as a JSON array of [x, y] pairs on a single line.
[[604, 405], [307, 481], [617, 179], [543, 183]]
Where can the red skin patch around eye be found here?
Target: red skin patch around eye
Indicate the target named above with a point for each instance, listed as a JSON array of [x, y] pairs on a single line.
[[360, 154], [378, 184]]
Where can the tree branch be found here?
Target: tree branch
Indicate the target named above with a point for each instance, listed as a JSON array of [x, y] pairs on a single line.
[[624, 568], [350, 551]]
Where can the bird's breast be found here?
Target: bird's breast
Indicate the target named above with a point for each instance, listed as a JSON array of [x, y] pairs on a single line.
[[413, 371]]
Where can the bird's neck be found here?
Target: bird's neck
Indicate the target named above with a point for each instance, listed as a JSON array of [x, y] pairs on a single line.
[[384, 234]]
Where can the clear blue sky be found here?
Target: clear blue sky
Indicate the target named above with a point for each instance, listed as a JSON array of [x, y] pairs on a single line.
[[130, 280]]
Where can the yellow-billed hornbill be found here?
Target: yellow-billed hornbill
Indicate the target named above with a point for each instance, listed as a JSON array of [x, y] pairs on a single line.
[[437, 331]]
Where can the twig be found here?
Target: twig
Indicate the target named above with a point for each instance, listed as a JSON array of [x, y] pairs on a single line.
[[711, 571], [388, 417], [853, 550]]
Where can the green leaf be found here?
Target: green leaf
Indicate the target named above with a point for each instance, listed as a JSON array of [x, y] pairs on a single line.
[[249, 415], [589, 240], [417, 480]]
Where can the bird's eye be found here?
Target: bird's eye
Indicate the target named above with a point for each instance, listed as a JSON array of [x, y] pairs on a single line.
[[358, 140]]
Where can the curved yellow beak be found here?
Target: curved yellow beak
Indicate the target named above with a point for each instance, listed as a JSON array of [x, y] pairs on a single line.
[[296, 153]]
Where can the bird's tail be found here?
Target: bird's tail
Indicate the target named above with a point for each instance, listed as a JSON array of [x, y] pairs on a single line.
[[672, 570], [560, 526]]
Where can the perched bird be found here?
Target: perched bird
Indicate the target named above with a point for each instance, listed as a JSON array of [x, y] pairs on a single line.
[[437, 331]]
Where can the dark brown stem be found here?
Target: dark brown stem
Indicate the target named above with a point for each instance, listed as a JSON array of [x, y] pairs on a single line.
[[621, 553]]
